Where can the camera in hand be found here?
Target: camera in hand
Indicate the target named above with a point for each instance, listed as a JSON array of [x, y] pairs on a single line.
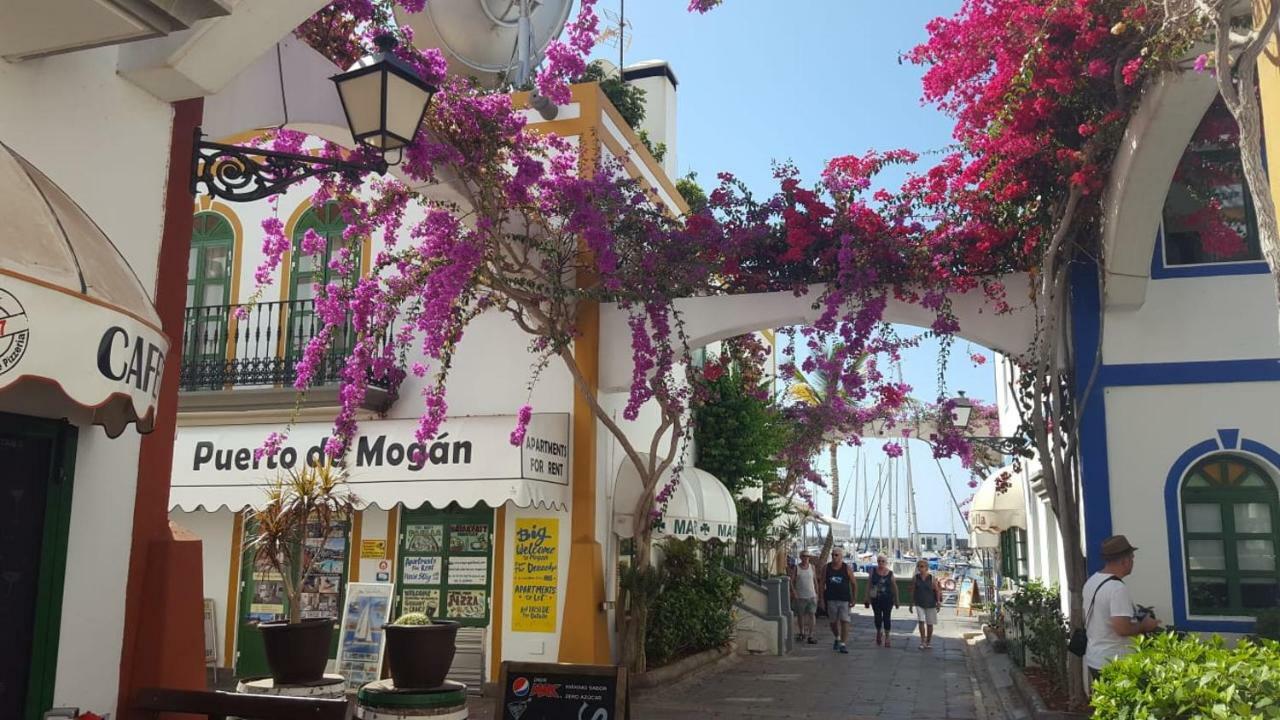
[[1143, 612]]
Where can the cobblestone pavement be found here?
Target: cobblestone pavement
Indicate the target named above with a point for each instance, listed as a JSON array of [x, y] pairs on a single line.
[[814, 682]]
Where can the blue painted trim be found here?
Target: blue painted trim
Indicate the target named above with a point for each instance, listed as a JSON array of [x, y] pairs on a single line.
[[1095, 476], [1173, 525], [1229, 439], [1190, 373], [1160, 271]]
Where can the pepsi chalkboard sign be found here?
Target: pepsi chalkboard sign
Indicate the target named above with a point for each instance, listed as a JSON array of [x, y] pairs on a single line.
[[552, 691]]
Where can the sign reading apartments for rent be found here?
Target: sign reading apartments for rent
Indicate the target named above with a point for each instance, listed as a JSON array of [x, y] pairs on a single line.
[[466, 448], [535, 575]]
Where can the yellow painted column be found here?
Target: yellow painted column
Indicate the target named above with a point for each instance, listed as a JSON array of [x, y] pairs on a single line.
[[498, 624], [584, 635], [1269, 84], [233, 591]]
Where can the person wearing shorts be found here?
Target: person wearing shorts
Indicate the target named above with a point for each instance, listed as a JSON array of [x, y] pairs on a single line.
[[804, 596], [926, 596], [838, 588]]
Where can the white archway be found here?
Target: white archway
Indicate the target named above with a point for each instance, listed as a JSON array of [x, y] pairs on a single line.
[[1133, 204], [716, 317]]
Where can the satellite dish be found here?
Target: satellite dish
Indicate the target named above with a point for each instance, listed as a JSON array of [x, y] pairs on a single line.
[[493, 40]]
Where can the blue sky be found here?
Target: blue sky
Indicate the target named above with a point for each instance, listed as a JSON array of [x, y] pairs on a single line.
[[803, 81]]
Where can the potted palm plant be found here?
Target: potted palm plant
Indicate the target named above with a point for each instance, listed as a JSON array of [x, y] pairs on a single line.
[[420, 650], [317, 498]]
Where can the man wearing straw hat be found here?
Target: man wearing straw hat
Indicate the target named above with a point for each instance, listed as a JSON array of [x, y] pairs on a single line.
[[1111, 619]]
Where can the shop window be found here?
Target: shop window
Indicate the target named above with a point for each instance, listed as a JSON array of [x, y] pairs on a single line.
[[1208, 213], [1014, 558], [446, 564], [1231, 529]]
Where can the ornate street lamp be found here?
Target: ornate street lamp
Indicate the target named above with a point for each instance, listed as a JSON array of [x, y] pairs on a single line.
[[384, 101], [962, 412]]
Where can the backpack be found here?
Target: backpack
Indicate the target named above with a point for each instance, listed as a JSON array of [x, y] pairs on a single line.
[[1079, 641]]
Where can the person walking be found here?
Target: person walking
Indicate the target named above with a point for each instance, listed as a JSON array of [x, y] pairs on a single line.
[[804, 595], [1111, 619], [882, 598], [838, 591], [926, 596]]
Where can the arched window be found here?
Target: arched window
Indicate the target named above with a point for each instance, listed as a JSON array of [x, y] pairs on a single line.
[[1231, 528], [309, 270], [1208, 213], [209, 268]]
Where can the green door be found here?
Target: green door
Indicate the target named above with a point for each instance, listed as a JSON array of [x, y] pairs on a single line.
[[262, 597], [446, 563], [306, 271], [208, 293], [35, 518]]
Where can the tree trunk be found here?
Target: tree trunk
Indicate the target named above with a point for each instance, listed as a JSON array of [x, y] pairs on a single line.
[[635, 621], [825, 555], [835, 482]]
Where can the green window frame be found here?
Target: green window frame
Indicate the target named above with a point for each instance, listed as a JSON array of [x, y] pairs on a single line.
[[1014, 559], [1230, 533], [209, 272], [306, 271]]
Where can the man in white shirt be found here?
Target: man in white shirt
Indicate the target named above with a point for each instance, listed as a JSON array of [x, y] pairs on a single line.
[[1111, 619], [804, 596]]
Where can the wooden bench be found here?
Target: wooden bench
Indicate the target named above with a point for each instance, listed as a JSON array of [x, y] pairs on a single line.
[[150, 702]]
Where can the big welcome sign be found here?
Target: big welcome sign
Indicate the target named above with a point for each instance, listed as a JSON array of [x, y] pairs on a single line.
[[470, 460]]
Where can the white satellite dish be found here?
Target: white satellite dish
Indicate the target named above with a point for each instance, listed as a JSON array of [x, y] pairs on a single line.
[[493, 40]]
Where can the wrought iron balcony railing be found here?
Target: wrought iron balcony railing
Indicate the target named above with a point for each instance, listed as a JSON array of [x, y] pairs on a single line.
[[221, 350]]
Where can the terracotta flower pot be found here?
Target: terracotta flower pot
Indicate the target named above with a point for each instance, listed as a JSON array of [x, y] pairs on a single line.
[[297, 653], [419, 656]]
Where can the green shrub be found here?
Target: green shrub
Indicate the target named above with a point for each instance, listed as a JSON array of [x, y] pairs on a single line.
[[1175, 678], [1036, 611], [1268, 624], [693, 609]]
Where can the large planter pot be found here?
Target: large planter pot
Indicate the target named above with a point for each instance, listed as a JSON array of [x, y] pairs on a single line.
[[297, 652], [419, 656]]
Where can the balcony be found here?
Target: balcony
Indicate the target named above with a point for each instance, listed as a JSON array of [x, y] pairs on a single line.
[[234, 363]]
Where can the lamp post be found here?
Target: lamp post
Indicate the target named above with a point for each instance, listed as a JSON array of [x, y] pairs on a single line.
[[384, 102], [962, 413]]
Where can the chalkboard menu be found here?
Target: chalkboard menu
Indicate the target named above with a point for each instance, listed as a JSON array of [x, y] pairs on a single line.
[[550, 691]]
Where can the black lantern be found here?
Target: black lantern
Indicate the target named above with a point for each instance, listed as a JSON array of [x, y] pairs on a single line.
[[384, 98], [384, 101], [961, 409]]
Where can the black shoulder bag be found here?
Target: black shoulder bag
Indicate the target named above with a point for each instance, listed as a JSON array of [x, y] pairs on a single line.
[[1079, 641]]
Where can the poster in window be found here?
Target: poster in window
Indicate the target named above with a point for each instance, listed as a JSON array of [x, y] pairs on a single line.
[[468, 571], [535, 575], [367, 609], [425, 601], [470, 538], [421, 570], [467, 604], [426, 539]]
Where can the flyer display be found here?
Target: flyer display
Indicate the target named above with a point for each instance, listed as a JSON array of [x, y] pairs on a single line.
[[467, 604], [469, 538], [535, 575], [427, 539], [366, 611], [422, 601], [468, 570], [422, 570]]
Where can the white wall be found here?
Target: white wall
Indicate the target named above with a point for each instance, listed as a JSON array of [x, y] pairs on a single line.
[[1196, 319], [106, 143], [1148, 428], [215, 532]]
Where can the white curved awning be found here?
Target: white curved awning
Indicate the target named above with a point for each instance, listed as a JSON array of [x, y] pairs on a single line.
[[701, 506], [79, 337], [471, 461], [994, 511], [840, 530]]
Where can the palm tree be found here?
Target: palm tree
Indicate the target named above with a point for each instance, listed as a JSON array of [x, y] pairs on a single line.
[[819, 388]]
